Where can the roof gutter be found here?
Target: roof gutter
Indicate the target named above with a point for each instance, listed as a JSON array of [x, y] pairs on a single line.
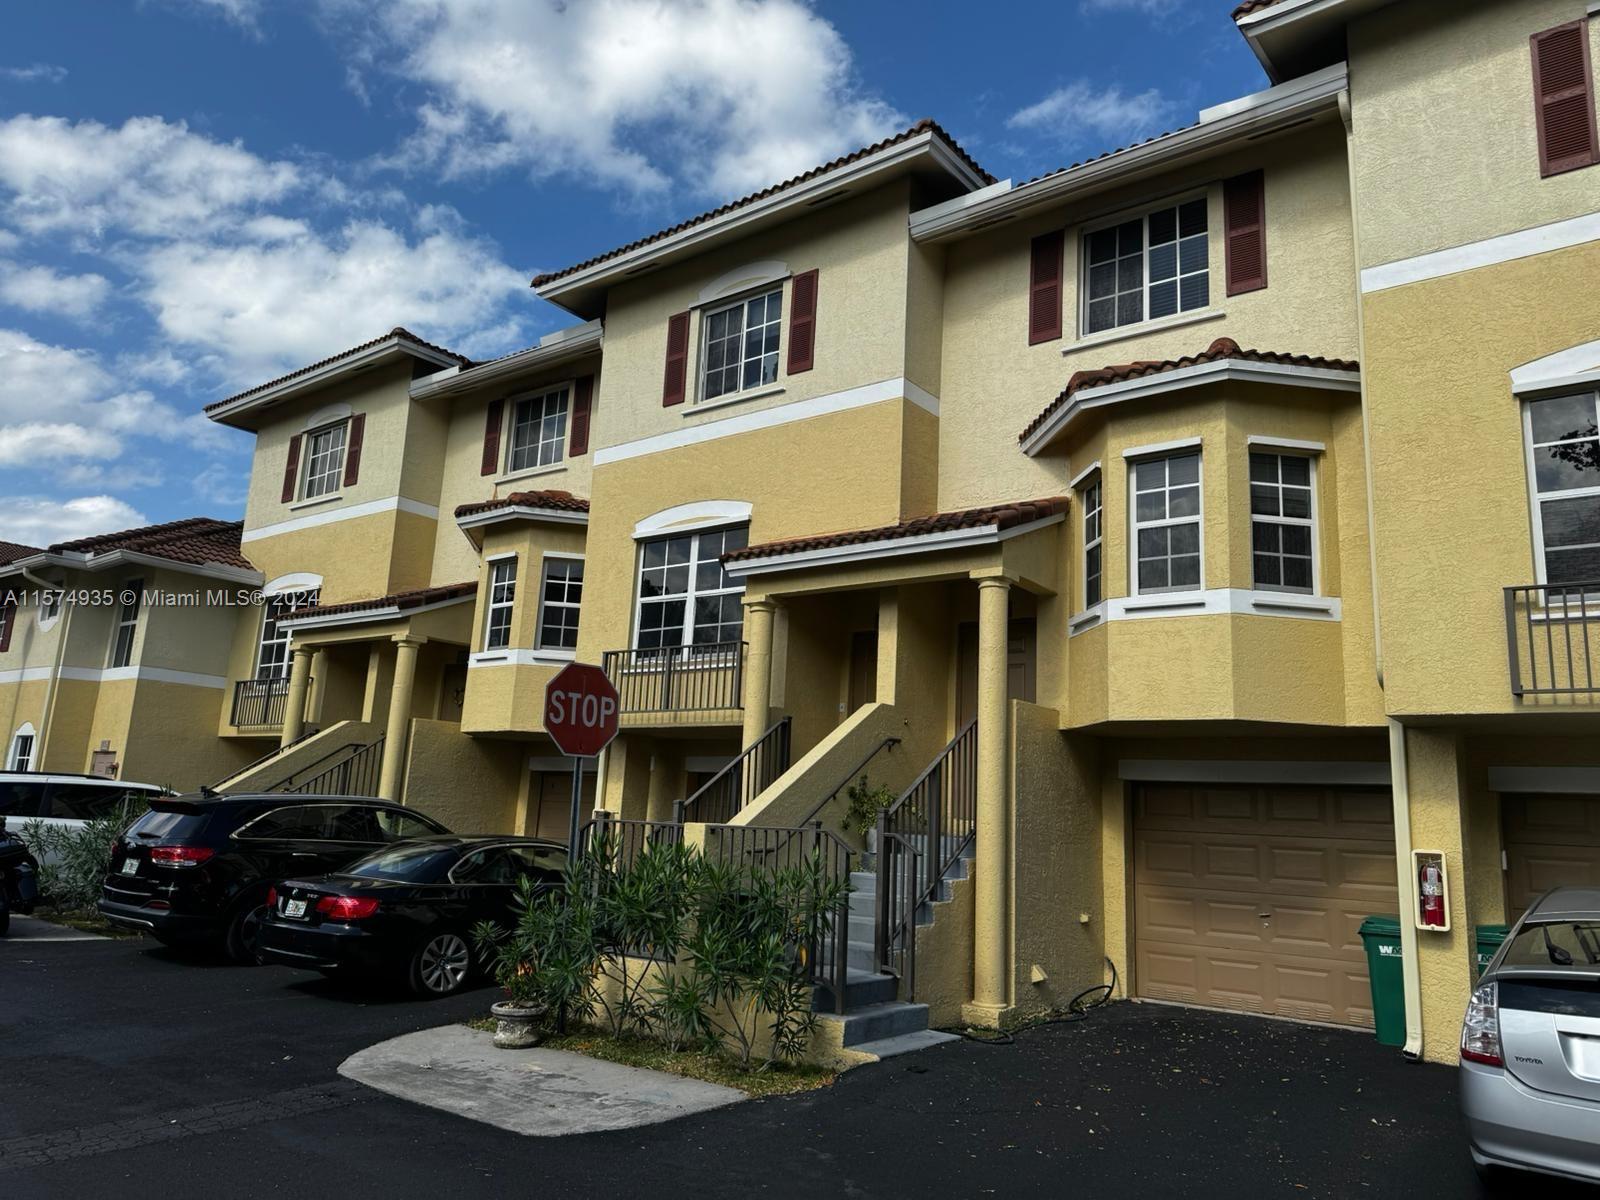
[[553, 348], [1221, 126], [114, 558], [888, 547], [343, 366]]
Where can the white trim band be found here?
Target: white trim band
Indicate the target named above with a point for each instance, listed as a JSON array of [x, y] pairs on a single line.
[[1325, 774], [522, 512], [1212, 602], [366, 509], [521, 658], [115, 675], [1525, 243], [831, 556], [1282, 443], [365, 616]]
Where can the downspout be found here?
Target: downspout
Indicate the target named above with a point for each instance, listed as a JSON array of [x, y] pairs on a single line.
[[1399, 764]]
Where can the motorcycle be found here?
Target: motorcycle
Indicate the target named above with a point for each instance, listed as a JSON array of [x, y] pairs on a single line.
[[19, 877]]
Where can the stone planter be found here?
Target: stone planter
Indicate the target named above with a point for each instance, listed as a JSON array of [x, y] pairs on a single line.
[[517, 1027]]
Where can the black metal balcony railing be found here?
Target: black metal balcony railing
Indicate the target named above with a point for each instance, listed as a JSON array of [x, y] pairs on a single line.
[[259, 701], [1549, 631], [678, 678], [742, 780]]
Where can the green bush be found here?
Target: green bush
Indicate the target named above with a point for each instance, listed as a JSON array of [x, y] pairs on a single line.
[[73, 861], [866, 802]]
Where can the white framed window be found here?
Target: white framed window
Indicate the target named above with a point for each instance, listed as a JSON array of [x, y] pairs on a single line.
[[1282, 522], [1093, 531], [272, 653], [1563, 438], [538, 430], [49, 609], [127, 623], [739, 345], [21, 756], [559, 599], [1155, 265], [685, 597], [1166, 524], [8, 617], [324, 461], [502, 596]]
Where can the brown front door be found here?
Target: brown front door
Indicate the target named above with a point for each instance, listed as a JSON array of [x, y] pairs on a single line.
[[1021, 659], [1551, 841], [452, 691], [1252, 898], [863, 668]]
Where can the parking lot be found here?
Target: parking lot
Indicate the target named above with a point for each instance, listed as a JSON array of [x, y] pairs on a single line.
[[132, 1071]]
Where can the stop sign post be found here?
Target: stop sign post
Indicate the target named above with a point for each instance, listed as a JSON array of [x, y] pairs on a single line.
[[580, 715]]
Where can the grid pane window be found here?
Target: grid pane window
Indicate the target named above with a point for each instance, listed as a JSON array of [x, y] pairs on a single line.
[[127, 623], [685, 596], [272, 656], [558, 603], [22, 752], [1166, 521], [538, 431], [1153, 266], [1281, 527], [1566, 473], [325, 461], [1091, 545], [502, 596], [741, 345]]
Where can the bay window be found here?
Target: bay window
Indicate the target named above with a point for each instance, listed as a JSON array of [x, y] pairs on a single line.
[[502, 597], [559, 602], [1281, 530], [1166, 524], [1092, 531]]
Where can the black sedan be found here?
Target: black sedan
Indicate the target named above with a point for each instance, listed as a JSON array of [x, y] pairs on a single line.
[[407, 910]]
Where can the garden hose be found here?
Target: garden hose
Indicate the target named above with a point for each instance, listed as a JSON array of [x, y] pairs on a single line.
[[1078, 1009]]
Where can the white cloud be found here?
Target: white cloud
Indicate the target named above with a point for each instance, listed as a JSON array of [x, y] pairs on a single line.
[[37, 73], [38, 522], [37, 442], [1105, 113], [1150, 8], [42, 290], [222, 484], [716, 96]]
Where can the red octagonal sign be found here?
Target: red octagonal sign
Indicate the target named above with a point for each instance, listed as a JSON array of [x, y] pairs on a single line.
[[580, 710]]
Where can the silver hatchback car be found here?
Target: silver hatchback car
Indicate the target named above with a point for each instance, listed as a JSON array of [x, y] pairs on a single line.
[[1530, 1044]]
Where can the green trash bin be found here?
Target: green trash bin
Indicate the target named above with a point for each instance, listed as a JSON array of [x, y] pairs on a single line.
[[1381, 935], [1489, 939]]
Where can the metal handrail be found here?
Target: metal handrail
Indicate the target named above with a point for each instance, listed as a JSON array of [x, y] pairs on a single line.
[[363, 768], [310, 731], [1557, 663], [743, 779], [887, 743], [920, 837], [693, 678]]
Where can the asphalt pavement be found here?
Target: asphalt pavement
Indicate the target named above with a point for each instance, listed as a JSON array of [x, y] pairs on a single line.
[[128, 1071]]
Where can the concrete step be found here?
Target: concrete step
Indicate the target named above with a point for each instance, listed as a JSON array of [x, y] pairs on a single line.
[[863, 883], [905, 1043], [863, 927], [875, 1022], [863, 957], [861, 988]]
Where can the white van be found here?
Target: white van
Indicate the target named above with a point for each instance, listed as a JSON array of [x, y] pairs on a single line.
[[71, 801]]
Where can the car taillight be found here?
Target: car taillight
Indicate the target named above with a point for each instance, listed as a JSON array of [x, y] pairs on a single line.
[[1480, 1031], [179, 856], [347, 908], [272, 897]]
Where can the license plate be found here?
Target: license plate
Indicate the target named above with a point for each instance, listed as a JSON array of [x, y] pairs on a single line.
[[130, 866], [294, 908]]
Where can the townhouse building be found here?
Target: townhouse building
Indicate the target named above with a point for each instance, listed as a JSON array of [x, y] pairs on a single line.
[[1188, 537]]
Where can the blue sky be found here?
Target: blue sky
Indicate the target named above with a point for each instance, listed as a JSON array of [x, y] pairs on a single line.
[[197, 195]]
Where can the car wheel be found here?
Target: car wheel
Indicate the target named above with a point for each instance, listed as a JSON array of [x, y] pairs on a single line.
[[240, 940], [442, 965]]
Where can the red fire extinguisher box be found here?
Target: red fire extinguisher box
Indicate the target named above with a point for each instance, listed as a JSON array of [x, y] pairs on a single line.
[[1431, 875]]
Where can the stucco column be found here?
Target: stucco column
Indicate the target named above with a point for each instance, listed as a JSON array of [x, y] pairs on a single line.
[[991, 938], [319, 685], [394, 738], [758, 620], [294, 704]]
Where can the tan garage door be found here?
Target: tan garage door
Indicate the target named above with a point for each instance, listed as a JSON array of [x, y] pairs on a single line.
[[1551, 841], [1252, 897]]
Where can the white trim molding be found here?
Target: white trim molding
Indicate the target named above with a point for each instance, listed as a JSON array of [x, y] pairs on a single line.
[[510, 657], [1210, 602], [1574, 369], [343, 365], [553, 349], [771, 418], [350, 513], [1204, 770], [1153, 448], [751, 275], [297, 581], [1541, 239], [1282, 443], [927, 543], [26, 674], [522, 512], [1083, 476], [364, 616], [698, 514], [124, 674], [1570, 781]]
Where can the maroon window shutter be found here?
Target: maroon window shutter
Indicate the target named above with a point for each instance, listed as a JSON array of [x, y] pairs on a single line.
[[582, 398], [803, 323], [8, 621], [291, 469], [491, 436], [352, 454], [672, 388], [1563, 98], [1244, 214], [1044, 288]]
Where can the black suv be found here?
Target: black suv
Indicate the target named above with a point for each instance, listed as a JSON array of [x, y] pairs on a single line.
[[196, 869]]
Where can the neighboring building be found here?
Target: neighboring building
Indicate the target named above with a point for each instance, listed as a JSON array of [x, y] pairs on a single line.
[[1163, 525]]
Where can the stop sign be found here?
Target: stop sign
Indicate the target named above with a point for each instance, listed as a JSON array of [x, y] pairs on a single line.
[[580, 710]]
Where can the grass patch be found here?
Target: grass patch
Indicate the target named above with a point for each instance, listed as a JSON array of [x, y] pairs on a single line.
[[86, 920], [780, 1079]]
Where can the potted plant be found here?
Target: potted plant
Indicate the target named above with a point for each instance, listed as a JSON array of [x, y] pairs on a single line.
[[514, 961]]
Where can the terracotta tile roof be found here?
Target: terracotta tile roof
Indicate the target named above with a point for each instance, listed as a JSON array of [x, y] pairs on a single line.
[[11, 551], [1003, 516], [925, 125], [405, 335], [1250, 6], [195, 540], [560, 501], [1222, 348], [404, 601]]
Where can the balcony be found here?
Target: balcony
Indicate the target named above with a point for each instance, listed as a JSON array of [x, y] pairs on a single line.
[[259, 703], [678, 679], [1553, 639]]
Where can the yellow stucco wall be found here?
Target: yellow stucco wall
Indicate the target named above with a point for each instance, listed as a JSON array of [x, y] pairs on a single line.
[[468, 783]]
